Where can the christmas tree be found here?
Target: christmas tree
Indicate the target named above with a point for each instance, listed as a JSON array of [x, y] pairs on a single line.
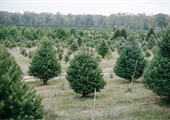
[[126, 62], [103, 48], [44, 64], [17, 100], [74, 46], [157, 74], [84, 74]]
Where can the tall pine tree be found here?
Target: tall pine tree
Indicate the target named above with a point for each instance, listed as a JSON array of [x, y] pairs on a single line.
[[17, 100]]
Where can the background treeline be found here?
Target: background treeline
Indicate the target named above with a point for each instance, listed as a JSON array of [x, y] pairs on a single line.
[[119, 20]]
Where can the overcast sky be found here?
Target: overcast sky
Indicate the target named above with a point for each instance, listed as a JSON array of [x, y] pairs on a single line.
[[99, 7]]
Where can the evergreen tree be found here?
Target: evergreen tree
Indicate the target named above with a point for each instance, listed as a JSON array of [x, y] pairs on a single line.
[[72, 31], [66, 58], [81, 33], [103, 48], [18, 39], [151, 42], [84, 74], [13, 32], [17, 100], [41, 33], [69, 52], [150, 32], [28, 34], [79, 41], [154, 50], [126, 62], [147, 54], [123, 33], [145, 48], [144, 43], [30, 54], [29, 44], [23, 30], [60, 56], [2, 34], [74, 46], [44, 64], [117, 34], [156, 77]]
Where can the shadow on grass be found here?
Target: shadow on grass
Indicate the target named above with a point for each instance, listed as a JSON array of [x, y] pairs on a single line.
[[164, 101], [124, 81], [90, 96]]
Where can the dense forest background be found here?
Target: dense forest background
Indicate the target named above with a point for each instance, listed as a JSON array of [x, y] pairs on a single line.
[[119, 20]]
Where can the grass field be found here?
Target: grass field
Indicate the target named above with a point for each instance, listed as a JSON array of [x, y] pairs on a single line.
[[113, 102]]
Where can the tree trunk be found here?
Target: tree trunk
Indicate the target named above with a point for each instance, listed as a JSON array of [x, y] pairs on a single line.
[[130, 80], [45, 81], [84, 94]]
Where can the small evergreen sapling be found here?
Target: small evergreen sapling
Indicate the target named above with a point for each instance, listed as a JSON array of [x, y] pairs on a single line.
[[66, 58], [60, 56], [29, 44], [117, 34], [103, 48], [44, 64], [74, 46], [147, 54], [84, 74], [79, 41], [69, 52]]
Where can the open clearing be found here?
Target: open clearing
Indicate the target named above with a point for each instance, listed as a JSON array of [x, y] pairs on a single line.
[[113, 102]]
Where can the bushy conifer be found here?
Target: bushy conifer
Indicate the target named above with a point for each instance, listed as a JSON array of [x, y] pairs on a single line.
[[84, 74], [157, 74], [17, 100], [44, 64]]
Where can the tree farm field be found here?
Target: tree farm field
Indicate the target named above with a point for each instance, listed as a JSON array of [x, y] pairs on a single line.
[[113, 102]]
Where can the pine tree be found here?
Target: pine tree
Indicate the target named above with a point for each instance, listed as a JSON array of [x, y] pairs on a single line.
[[28, 34], [60, 56], [79, 41], [103, 48], [2, 34], [123, 33], [29, 44], [147, 54], [117, 34], [126, 62], [150, 32], [17, 100], [144, 48], [44, 64], [84, 74], [156, 77], [74, 46], [151, 42], [66, 58], [72, 31]]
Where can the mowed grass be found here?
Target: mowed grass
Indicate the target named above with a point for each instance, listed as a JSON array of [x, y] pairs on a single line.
[[114, 102]]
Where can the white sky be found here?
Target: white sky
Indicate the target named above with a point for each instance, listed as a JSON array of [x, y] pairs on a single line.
[[99, 7]]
